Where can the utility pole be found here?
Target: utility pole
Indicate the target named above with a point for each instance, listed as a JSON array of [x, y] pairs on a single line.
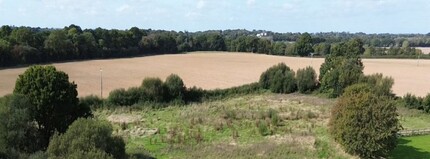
[[101, 83]]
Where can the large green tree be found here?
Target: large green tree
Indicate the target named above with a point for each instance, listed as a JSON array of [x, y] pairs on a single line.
[[304, 45], [342, 67], [54, 99], [364, 123]]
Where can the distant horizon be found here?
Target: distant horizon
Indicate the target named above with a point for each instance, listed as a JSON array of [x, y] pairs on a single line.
[[296, 16], [83, 28]]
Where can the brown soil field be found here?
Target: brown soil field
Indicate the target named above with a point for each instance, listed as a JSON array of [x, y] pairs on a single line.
[[211, 70], [425, 50]]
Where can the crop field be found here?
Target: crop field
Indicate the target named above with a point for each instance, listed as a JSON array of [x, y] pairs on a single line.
[[425, 50], [211, 70]]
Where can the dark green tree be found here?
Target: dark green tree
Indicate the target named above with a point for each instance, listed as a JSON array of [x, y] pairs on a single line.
[[364, 123], [59, 46], [54, 99], [279, 79], [87, 138], [17, 131], [306, 80], [153, 90], [175, 87], [304, 45], [341, 68]]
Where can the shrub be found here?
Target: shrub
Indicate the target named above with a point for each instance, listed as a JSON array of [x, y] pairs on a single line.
[[412, 101], [381, 85], [91, 101], [279, 79], [306, 80], [426, 103], [154, 90], [87, 137], [175, 87], [364, 123], [118, 97], [122, 97], [194, 94]]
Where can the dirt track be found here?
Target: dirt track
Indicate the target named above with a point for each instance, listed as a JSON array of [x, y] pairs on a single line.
[[213, 70]]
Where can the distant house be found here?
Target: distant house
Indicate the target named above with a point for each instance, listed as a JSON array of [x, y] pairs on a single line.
[[264, 35]]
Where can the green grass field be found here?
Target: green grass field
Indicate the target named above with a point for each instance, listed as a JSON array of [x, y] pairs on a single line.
[[415, 147]]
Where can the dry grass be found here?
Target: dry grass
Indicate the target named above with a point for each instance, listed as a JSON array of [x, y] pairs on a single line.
[[213, 70]]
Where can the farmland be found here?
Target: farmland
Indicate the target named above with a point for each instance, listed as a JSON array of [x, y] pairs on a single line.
[[211, 70]]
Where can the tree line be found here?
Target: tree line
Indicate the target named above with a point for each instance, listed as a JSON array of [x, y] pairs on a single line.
[[26, 45]]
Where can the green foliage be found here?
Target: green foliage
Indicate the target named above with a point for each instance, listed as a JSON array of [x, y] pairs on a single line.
[[91, 101], [17, 132], [54, 99], [154, 90], [304, 45], [381, 85], [263, 128], [364, 123], [413, 102], [175, 87], [341, 68], [122, 97], [87, 138], [279, 79], [306, 80]]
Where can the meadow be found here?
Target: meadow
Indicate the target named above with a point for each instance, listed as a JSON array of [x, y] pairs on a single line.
[[210, 70]]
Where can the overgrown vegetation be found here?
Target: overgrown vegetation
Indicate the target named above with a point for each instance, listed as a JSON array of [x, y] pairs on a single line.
[[87, 138]]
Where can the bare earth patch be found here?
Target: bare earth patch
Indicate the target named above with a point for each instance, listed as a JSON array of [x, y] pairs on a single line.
[[211, 70]]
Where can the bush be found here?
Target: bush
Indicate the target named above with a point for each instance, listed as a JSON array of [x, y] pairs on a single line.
[[87, 137], [426, 103], [154, 90], [306, 80], [175, 87], [412, 101], [18, 133], [122, 97], [194, 94], [364, 123], [279, 79], [381, 85], [91, 101]]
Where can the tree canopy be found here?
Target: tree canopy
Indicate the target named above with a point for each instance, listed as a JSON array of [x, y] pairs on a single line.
[[54, 99]]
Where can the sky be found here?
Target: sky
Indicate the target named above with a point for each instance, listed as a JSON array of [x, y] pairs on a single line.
[[368, 16]]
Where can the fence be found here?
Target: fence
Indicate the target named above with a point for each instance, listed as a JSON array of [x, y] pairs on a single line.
[[414, 132]]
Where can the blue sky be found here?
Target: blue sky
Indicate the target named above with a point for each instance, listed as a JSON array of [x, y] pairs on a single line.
[[369, 16]]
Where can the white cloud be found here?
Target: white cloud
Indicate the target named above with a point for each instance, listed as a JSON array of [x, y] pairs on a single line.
[[250, 2], [124, 8], [201, 4]]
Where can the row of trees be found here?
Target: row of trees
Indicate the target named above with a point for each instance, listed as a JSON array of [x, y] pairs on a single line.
[[25, 45]]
